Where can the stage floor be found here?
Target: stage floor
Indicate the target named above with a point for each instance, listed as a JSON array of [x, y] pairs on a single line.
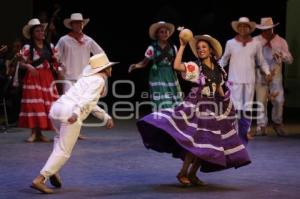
[[115, 164]]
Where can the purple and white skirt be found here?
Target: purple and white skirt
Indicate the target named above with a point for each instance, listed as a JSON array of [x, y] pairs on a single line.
[[203, 126]]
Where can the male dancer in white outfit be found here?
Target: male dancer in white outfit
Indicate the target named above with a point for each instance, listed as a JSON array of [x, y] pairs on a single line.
[[275, 51], [75, 49], [67, 114], [242, 53]]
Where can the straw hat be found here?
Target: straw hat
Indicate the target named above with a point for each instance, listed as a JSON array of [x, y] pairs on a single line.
[[30, 24], [266, 23], [243, 20], [154, 27], [75, 17], [212, 41], [97, 63]]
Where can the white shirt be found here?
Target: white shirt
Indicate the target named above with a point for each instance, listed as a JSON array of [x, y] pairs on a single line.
[[243, 60], [84, 95], [279, 45], [75, 56]]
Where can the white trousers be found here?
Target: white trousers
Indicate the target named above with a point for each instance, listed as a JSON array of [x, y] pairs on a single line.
[[263, 94], [242, 96], [64, 141]]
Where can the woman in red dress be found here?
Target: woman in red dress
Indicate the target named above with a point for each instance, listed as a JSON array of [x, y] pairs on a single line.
[[39, 90]]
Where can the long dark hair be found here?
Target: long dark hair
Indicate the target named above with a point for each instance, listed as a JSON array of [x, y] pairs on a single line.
[[33, 45], [213, 57]]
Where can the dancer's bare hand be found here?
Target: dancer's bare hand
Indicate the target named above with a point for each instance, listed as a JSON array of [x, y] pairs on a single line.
[[131, 68], [73, 118], [110, 123], [182, 42]]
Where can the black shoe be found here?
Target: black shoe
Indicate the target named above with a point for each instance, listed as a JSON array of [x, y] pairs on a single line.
[[55, 180]]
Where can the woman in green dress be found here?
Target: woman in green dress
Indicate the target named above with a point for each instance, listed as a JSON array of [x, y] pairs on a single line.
[[164, 88]]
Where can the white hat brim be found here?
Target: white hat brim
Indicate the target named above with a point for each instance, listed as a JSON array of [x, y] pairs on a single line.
[[26, 29], [235, 24], [213, 42], [67, 22], [262, 27], [88, 70], [154, 27]]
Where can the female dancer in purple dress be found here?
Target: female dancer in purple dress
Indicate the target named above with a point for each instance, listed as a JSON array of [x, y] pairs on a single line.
[[202, 129]]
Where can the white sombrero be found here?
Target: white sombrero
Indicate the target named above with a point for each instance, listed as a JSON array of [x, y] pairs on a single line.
[[266, 23], [243, 20], [97, 63], [30, 24], [215, 44], [75, 17], [154, 27]]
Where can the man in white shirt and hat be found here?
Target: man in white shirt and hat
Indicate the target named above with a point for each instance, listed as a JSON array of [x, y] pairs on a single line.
[[276, 52], [67, 114], [242, 53], [75, 49]]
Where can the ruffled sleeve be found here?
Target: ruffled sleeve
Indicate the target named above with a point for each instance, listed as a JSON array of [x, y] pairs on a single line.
[[25, 52], [149, 52], [192, 72]]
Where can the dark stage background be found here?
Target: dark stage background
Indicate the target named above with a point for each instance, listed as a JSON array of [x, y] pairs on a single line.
[[121, 27]]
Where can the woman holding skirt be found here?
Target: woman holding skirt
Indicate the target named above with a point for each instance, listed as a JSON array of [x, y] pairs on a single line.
[[202, 129]]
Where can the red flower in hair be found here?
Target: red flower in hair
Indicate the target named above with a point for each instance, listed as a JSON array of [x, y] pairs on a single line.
[[190, 68]]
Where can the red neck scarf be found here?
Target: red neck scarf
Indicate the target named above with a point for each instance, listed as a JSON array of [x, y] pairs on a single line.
[[239, 39], [268, 44], [77, 36]]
